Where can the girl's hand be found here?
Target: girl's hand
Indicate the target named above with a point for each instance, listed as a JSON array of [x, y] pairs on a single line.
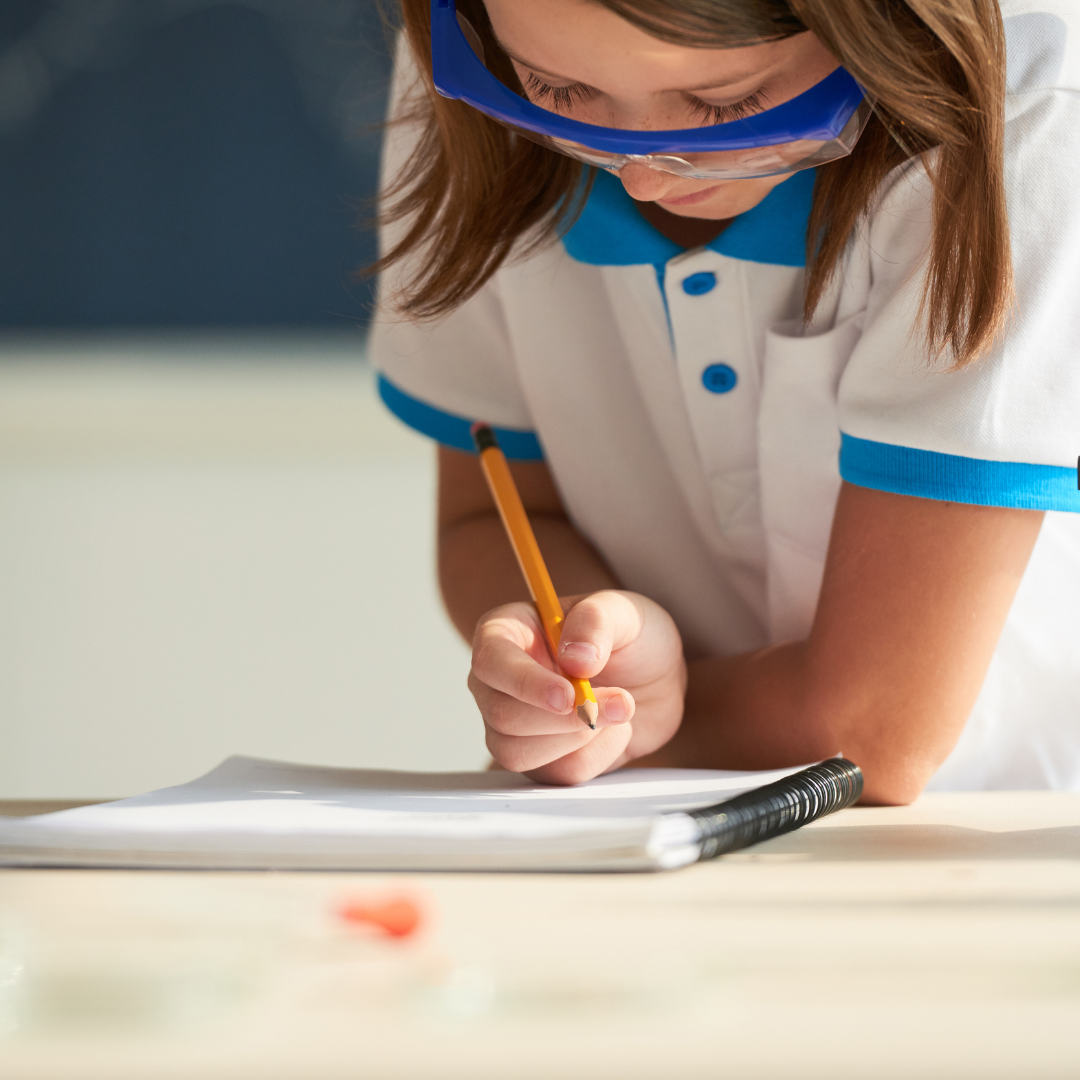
[[629, 648]]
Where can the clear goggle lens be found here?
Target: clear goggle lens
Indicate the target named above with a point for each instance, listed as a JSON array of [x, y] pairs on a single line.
[[772, 160]]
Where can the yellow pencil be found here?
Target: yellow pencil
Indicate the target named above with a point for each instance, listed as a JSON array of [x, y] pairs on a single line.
[[522, 539]]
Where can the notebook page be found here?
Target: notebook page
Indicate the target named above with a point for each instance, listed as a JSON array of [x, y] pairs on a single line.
[[258, 811], [258, 793]]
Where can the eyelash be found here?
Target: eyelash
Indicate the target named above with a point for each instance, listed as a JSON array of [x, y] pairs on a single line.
[[722, 114], [564, 97]]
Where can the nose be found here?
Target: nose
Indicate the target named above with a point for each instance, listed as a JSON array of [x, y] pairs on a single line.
[[645, 184]]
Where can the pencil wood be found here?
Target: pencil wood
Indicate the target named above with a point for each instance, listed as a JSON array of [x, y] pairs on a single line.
[[527, 551], [588, 710]]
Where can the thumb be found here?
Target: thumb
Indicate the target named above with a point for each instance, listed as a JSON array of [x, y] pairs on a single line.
[[595, 627]]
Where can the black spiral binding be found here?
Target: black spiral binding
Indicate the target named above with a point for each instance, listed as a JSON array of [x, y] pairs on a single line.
[[778, 808]]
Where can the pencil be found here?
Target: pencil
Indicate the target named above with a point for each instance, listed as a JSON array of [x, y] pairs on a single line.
[[522, 539]]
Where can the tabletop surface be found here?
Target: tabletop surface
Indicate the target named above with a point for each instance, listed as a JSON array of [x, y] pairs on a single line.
[[940, 939]]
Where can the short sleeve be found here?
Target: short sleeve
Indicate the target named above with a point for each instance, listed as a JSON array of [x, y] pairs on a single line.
[[1005, 430], [441, 376]]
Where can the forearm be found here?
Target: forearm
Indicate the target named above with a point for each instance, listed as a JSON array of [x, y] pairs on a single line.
[[769, 709], [478, 571], [914, 597], [477, 568], [750, 711]]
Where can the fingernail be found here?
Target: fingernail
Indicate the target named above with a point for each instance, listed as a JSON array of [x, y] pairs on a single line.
[[559, 698], [578, 650], [615, 710]]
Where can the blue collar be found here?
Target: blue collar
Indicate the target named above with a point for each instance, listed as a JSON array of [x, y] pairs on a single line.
[[611, 232]]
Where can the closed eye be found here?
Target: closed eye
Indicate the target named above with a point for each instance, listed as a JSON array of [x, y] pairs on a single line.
[[561, 97], [565, 97], [723, 114]]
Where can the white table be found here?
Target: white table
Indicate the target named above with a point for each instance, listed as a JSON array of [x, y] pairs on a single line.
[[938, 940]]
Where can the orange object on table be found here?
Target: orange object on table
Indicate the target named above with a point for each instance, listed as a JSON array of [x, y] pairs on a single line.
[[396, 916]]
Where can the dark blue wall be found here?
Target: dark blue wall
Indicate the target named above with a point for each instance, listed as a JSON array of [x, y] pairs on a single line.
[[195, 164]]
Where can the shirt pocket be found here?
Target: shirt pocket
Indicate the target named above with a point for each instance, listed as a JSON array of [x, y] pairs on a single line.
[[798, 454]]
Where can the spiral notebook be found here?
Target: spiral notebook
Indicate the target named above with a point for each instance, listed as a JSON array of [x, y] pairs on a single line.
[[251, 813]]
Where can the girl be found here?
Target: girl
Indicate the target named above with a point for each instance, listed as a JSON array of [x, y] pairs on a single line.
[[774, 302]]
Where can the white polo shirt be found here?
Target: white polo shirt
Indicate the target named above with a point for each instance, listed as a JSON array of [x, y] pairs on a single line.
[[698, 433]]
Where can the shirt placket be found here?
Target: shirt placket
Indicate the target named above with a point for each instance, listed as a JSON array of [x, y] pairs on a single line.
[[718, 373]]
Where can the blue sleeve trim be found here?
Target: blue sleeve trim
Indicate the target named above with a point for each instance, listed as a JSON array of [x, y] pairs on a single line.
[[930, 475], [451, 430]]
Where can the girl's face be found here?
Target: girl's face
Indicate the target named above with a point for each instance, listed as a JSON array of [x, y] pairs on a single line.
[[577, 58]]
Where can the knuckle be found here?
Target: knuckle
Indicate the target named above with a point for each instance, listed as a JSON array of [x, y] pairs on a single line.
[[501, 714], [572, 769], [483, 655], [521, 686], [478, 688], [505, 753], [560, 773], [576, 772], [480, 631], [588, 610]]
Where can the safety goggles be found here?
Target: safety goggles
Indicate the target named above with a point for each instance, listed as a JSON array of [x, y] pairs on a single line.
[[819, 125]]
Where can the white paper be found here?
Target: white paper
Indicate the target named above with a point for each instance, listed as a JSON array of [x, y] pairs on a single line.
[[250, 812]]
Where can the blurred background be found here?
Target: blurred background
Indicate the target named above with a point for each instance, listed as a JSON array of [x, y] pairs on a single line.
[[212, 538]]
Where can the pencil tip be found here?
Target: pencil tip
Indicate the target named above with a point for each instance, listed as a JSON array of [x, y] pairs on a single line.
[[587, 712]]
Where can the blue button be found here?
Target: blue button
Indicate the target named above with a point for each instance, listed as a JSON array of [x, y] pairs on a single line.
[[699, 284], [719, 378]]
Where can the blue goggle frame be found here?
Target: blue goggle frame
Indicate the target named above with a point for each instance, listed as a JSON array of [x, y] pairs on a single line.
[[818, 114]]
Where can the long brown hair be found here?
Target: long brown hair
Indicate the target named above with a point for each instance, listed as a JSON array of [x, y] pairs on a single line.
[[935, 68]]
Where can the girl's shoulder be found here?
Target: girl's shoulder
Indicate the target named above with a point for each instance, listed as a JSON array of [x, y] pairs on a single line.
[[1042, 112], [1042, 45]]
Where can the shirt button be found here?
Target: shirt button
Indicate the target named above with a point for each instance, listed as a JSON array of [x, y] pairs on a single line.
[[699, 284], [719, 378]]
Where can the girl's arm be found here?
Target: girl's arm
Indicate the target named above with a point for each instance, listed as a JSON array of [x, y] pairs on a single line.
[[913, 601], [914, 597], [477, 568]]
